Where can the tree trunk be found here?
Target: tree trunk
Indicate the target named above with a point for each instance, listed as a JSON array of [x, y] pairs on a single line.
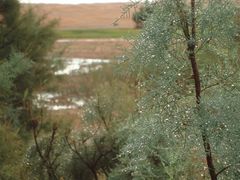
[[196, 76]]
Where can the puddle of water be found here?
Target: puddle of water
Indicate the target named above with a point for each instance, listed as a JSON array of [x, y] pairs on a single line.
[[47, 96], [80, 65], [46, 100], [60, 107], [51, 100], [78, 102]]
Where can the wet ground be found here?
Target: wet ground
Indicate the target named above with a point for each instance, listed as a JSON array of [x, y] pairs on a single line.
[[71, 67], [80, 58]]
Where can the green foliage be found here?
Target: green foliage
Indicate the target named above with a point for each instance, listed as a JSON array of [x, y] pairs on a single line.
[[110, 106], [10, 69], [32, 38], [25, 43], [79, 170], [11, 151], [98, 33], [10, 10], [165, 137], [95, 148], [93, 154], [88, 152], [140, 16], [160, 136], [60, 157]]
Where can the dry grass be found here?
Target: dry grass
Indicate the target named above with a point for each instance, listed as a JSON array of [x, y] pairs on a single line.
[[104, 49], [86, 16], [69, 117]]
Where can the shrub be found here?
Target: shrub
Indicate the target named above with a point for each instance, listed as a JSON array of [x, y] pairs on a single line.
[[187, 63]]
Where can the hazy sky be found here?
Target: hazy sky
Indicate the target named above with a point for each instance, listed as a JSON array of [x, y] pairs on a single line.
[[71, 1]]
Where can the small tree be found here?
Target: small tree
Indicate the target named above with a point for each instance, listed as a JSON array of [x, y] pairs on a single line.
[[33, 38], [187, 61], [96, 146], [48, 157]]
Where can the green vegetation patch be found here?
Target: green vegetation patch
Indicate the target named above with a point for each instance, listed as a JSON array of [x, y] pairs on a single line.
[[98, 33]]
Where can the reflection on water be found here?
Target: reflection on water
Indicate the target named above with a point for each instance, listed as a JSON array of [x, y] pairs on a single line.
[[60, 107], [81, 65], [78, 102]]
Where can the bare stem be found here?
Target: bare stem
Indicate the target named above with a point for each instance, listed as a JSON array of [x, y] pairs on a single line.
[[45, 157], [191, 45]]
